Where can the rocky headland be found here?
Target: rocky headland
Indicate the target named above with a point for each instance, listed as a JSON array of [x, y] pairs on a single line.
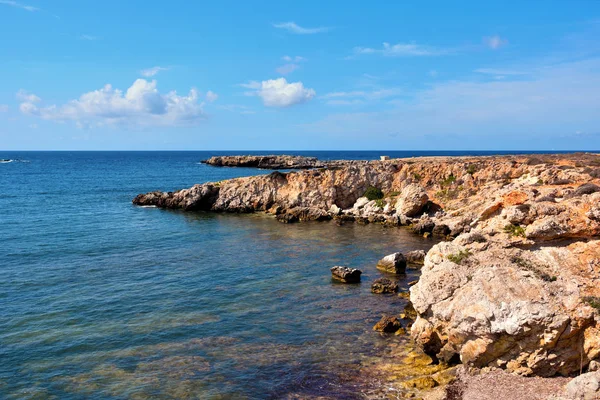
[[516, 283], [269, 162]]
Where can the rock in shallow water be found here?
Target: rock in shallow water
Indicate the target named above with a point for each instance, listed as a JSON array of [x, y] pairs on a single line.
[[384, 285], [387, 324], [394, 263], [345, 274]]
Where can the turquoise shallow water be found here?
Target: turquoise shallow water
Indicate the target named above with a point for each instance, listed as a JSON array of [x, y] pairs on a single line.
[[103, 300]]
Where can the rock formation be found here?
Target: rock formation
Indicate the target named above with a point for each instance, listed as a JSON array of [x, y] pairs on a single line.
[[393, 263], [516, 286], [266, 162], [384, 285], [345, 274]]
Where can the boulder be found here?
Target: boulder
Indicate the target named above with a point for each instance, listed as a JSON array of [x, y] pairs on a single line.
[[394, 263], [412, 200], [345, 274], [388, 324], [415, 257], [423, 225], [384, 285], [584, 387]]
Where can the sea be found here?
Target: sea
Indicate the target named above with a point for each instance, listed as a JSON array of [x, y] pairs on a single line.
[[100, 299]]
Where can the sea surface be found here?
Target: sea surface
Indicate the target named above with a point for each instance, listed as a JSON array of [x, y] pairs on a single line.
[[100, 299]]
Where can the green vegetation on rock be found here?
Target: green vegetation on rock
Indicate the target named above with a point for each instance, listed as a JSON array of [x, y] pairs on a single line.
[[373, 193]]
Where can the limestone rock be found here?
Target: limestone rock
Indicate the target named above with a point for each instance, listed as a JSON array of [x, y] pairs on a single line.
[[345, 274], [394, 263], [266, 162], [412, 200], [584, 387], [384, 285]]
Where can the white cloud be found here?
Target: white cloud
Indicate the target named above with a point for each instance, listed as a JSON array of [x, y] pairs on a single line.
[[150, 72], [19, 5], [494, 42], [141, 104], [211, 96], [403, 50], [292, 27], [280, 93], [3, 108], [295, 59]]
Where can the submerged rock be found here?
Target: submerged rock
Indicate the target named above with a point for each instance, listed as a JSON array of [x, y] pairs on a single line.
[[394, 263], [345, 274], [388, 324], [384, 285]]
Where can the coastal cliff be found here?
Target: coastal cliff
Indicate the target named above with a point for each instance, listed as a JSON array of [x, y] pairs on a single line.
[[516, 283]]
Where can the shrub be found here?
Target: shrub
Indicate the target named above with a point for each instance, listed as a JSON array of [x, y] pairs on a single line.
[[450, 179], [514, 230], [459, 257], [471, 169], [373, 193], [394, 194], [416, 176], [593, 301], [380, 203]]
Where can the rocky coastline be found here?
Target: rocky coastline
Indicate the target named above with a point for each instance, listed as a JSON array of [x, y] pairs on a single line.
[[514, 286], [269, 162]]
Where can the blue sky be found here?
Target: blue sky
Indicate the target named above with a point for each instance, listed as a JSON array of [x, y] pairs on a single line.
[[302, 75]]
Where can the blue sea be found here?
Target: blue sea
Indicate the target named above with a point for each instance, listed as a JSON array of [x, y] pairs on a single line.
[[100, 299]]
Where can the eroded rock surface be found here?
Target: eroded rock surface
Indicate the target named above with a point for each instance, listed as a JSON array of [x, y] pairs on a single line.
[[266, 162]]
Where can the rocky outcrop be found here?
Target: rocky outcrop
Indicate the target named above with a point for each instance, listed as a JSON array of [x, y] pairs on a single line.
[[388, 324], [384, 285], [583, 387], [415, 257], [266, 162], [516, 284], [394, 263], [345, 274]]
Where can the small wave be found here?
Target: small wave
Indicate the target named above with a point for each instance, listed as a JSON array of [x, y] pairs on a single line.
[[147, 206], [5, 160]]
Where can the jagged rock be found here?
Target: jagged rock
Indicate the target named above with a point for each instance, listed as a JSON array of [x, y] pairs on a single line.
[[594, 366], [394, 263], [387, 324], [494, 305], [415, 257], [345, 274], [360, 203], [412, 200], [384, 285], [198, 197]]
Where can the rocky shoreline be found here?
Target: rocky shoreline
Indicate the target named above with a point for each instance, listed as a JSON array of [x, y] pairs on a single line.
[[515, 284], [269, 162]]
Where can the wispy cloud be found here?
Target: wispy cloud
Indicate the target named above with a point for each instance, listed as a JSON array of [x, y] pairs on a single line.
[[499, 71], [494, 42], [551, 100], [150, 72], [211, 96], [357, 97], [279, 93], [294, 28], [293, 63], [403, 50], [19, 5], [141, 104], [88, 37]]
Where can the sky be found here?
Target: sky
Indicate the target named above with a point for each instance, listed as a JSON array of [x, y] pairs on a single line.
[[299, 75]]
